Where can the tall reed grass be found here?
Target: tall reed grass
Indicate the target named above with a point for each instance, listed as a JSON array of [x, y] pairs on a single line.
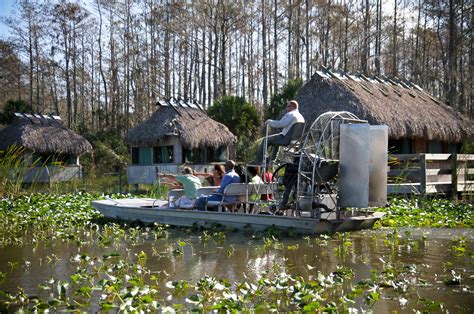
[[16, 165]]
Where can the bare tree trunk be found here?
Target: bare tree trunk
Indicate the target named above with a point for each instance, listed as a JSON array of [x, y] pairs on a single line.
[[195, 82], [101, 69], [451, 81], [67, 54], [250, 70], [470, 100], [326, 33], [215, 53], [223, 57], [74, 74], [128, 38], [30, 54], [92, 87], [114, 79], [202, 93], [209, 71], [346, 37], [152, 66], [365, 50], [394, 40], [297, 42], [378, 37], [275, 46], [416, 62], [83, 112], [307, 41], [178, 74], [185, 56], [290, 39], [39, 107], [264, 53], [166, 55]]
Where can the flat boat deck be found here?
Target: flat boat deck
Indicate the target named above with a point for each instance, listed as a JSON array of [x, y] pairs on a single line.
[[151, 210]]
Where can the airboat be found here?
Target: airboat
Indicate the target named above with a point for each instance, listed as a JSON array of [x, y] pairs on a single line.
[[329, 179]]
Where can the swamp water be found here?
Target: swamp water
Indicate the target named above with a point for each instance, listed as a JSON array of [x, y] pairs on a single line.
[[138, 268]]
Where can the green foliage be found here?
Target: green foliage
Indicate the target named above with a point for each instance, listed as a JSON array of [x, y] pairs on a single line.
[[110, 153], [278, 101], [12, 106], [240, 117], [237, 114], [438, 213], [468, 148], [42, 214]]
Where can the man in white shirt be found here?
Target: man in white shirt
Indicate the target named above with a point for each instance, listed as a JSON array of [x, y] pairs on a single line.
[[291, 117]]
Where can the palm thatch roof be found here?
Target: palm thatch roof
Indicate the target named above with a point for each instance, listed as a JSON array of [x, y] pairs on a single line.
[[185, 120], [408, 111], [42, 134]]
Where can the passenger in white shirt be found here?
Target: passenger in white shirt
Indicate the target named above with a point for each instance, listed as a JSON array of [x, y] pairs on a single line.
[[286, 122]]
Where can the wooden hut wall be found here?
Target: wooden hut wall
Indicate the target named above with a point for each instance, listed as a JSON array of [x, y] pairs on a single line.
[[155, 154], [417, 146]]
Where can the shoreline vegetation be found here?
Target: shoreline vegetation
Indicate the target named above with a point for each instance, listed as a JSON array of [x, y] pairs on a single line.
[[120, 281]]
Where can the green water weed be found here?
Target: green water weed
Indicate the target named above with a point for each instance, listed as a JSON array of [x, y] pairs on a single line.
[[459, 246], [419, 212]]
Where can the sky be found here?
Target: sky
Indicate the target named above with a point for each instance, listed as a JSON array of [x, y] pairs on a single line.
[[6, 7]]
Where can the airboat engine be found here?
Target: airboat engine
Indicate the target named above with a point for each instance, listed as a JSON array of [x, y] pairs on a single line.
[[342, 164], [363, 165]]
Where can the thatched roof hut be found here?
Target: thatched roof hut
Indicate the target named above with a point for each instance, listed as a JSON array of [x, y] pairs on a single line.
[[186, 121], [178, 132], [43, 135], [409, 112]]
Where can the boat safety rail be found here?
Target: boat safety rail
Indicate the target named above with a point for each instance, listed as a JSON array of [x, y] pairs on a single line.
[[243, 192], [265, 146]]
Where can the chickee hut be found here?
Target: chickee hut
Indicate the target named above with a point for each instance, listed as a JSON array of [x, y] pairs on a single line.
[[417, 121], [178, 132], [50, 151]]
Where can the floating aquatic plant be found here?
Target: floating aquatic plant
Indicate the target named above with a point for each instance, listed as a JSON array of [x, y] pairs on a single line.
[[418, 212], [114, 265]]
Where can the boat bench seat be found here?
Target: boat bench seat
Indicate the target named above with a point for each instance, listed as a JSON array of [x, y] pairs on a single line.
[[175, 194], [261, 189], [242, 191]]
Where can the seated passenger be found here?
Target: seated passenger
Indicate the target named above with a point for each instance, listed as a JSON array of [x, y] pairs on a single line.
[[254, 179], [230, 177], [286, 122], [190, 184], [267, 178], [216, 177]]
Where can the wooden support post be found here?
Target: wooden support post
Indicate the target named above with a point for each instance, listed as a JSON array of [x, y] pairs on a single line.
[[454, 175], [423, 175], [120, 180]]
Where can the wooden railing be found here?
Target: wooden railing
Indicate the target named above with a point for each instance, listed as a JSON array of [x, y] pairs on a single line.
[[431, 173], [407, 174]]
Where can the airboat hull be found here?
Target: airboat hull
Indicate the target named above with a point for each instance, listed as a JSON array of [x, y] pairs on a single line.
[[148, 211]]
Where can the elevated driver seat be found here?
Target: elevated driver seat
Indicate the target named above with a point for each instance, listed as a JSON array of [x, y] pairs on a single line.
[[293, 138]]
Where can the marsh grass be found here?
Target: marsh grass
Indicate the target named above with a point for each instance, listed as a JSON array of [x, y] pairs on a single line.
[[15, 165]]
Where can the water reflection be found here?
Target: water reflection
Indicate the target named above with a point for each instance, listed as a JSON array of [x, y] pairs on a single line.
[[240, 258]]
